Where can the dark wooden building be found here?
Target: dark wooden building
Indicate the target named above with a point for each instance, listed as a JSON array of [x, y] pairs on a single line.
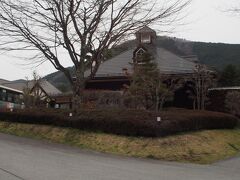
[[111, 75]]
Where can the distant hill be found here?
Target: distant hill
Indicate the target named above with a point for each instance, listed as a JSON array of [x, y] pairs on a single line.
[[19, 81], [216, 55], [2, 81], [59, 80]]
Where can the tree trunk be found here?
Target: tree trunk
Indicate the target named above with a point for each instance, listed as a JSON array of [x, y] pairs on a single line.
[[194, 104], [157, 100], [162, 103], [78, 90]]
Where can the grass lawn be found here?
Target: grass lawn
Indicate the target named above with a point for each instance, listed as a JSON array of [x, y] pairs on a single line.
[[198, 147]]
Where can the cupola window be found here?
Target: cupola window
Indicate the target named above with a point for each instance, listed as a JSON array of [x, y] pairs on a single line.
[[146, 38]]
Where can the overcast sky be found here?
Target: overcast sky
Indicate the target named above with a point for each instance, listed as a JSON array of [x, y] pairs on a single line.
[[206, 22]]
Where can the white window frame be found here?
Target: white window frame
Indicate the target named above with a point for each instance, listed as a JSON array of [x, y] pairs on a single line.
[[141, 49], [137, 55]]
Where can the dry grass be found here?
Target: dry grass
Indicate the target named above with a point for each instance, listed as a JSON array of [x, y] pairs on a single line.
[[201, 147]]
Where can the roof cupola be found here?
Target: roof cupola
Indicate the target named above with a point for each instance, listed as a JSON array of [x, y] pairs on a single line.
[[146, 35]]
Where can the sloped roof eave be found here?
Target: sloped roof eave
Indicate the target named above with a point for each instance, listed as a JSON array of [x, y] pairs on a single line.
[[168, 63]]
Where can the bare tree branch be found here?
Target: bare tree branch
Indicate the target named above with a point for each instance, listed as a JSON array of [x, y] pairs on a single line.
[[83, 29]]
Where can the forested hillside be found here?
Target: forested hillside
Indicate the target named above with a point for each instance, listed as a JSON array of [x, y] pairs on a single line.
[[217, 55]]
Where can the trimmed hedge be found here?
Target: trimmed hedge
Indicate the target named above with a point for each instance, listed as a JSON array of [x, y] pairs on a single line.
[[128, 122]]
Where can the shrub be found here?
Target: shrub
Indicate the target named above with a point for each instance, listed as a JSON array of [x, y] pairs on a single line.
[[182, 121], [128, 122], [93, 99], [232, 102], [110, 99]]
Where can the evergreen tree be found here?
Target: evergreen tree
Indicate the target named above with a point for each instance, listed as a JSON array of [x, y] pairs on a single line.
[[147, 88], [230, 76]]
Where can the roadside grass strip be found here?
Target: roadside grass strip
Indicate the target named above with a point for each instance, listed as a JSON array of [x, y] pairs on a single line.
[[203, 147]]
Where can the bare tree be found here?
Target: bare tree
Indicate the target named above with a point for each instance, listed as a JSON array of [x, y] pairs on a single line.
[[203, 79], [172, 84], [31, 95], [235, 9], [83, 29], [27, 97]]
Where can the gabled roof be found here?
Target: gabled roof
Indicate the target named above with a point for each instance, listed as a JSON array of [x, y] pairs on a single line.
[[192, 58], [168, 63], [146, 29], [49, 88], [18, 85], [115, 66], [10, 89], [45, 85]]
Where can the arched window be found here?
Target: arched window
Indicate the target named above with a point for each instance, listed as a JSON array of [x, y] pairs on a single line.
[[139, 55]]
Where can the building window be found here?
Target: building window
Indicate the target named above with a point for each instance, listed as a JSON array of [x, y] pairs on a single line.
[[10, 97], [21, 97], [145, 38], [140, 55], [3, 94]]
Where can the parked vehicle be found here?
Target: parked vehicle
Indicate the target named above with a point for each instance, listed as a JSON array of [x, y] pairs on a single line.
[[10, 99]]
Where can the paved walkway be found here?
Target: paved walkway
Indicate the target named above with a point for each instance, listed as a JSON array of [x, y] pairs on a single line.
[[26, 159]]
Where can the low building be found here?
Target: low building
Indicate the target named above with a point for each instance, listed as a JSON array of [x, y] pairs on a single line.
[[44, 90], [40, 89], [111, 74], [217, 98], [10, 99]]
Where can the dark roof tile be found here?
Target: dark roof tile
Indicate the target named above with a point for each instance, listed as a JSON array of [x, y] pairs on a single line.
[[168, 63]]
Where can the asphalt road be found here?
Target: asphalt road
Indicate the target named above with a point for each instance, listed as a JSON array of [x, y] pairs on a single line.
[[26, 159]]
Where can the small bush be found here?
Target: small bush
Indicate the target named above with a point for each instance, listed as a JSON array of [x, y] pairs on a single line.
[[232, 102], [128, 122], [94, 99]]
